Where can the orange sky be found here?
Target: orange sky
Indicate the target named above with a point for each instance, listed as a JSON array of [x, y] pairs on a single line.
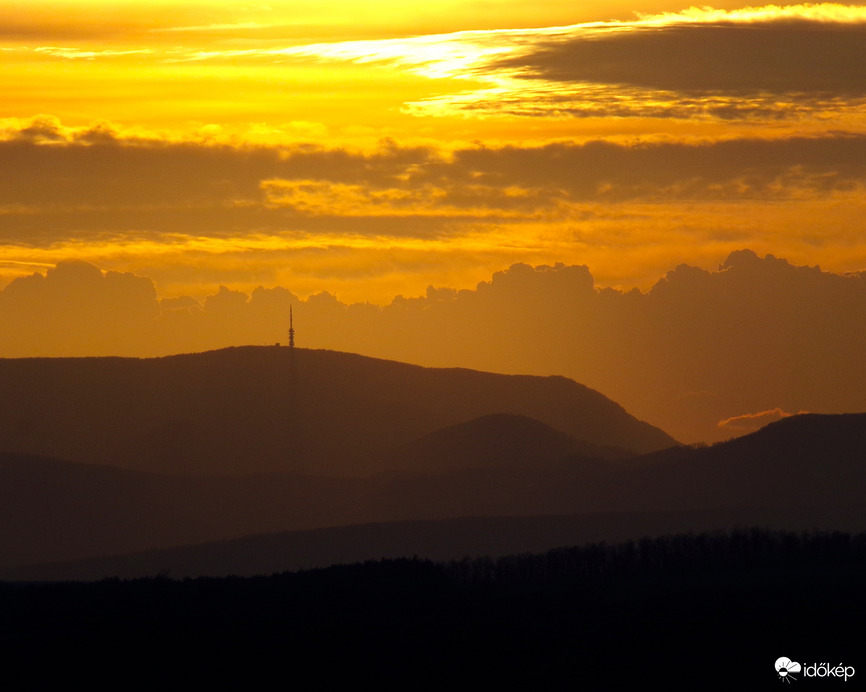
[[374, 149], [114, 111]]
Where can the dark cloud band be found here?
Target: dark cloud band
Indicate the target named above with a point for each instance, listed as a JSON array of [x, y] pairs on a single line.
[[770, 57], [56, 188]]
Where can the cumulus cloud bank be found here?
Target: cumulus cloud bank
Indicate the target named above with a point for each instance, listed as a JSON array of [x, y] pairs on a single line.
[[758, 334]]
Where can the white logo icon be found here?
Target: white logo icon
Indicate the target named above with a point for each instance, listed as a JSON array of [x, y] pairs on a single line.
[[785, 667]]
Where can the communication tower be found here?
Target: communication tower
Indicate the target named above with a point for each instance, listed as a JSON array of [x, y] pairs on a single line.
[[291, 330]]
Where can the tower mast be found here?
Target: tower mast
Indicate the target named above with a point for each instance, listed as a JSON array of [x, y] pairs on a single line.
[[291, 330]]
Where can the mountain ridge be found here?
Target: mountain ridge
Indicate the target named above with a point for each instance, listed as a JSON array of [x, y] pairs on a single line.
[[54, 511], [438, 540], [261, 409], [496, 440]]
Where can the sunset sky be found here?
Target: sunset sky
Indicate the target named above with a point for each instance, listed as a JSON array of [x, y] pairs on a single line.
[[370, 150]]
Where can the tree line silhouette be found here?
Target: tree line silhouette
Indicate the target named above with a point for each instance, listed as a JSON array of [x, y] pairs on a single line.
[[740, 549], [600, 615]]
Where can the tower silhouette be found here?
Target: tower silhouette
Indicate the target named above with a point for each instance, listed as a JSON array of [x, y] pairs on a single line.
[[291, 330]]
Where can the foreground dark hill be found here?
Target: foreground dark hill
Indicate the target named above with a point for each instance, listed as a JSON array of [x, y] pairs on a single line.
[[254, 409], [804, 472], [594, 617]]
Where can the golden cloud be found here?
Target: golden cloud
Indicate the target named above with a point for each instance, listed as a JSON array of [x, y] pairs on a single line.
[[755, 421]]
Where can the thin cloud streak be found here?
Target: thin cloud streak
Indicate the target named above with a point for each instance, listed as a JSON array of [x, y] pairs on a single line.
[[748, 422]]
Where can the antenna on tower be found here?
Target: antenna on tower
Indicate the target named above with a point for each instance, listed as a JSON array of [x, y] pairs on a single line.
[[291, 330]]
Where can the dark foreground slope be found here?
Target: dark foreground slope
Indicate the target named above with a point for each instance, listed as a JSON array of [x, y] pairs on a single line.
[[710, 611], [255, 409]]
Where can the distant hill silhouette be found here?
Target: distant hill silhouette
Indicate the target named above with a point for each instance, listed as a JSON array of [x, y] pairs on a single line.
[[444, 539], [498, 440], [58, 510], [804, 460], [800, 473], [256, 409]]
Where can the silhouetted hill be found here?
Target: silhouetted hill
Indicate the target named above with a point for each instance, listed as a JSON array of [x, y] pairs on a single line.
[[803, 460], [444, 539], [596, 617], [53, 510], [498, 440], [801, 473], [57, 510], [253, 409]]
